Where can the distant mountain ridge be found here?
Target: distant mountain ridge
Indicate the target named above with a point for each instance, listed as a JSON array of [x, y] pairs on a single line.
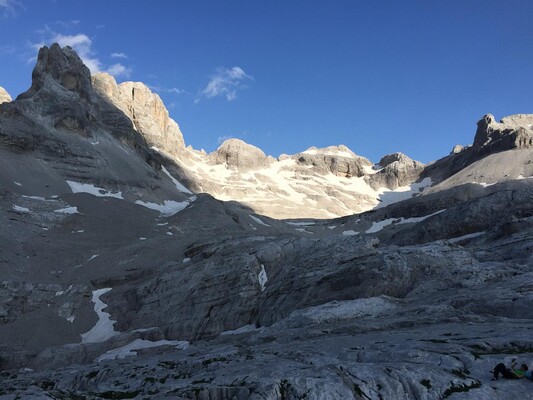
[[316, 183]]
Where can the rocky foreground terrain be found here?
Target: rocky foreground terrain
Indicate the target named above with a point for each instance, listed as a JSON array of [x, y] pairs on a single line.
[[124, 275]]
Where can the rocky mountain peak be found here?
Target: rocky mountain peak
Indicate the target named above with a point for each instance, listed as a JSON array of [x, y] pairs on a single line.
[[238, 154], [395, 157], [514, 131], [60, 68], [4, 96], [145, 109]]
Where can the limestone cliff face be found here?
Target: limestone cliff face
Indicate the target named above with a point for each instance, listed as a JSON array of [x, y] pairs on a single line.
[[239, 155], [338, 160], [4, 96], [145, 109], [398, 170], [514, 131]]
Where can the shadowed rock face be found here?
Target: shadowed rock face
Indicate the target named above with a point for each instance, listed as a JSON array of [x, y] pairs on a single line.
[[515, 131]]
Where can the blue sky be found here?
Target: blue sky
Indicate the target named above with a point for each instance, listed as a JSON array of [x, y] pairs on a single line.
[[377, 76]]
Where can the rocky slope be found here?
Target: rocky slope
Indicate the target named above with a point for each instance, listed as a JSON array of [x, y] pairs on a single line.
[[118, 282]]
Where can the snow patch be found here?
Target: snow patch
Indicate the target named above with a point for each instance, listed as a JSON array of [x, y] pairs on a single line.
[[17, 183], [67, 210], [387, 196], [304, 230], [332, 226], [142, 238], [263, 279], [139, 344], [178, 184], [377, 226], [168, 208], [350, 233], [186, 260], [93, 257], [103, 330], [258, 220], [20, 209], [78, 187], [71, 319]]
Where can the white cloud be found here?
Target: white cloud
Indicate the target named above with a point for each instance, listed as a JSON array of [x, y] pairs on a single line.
[[119, 70], [226, 82], [118, 55]]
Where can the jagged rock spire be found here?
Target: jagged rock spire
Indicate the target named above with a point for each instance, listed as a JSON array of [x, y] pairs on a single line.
[[61, 67]]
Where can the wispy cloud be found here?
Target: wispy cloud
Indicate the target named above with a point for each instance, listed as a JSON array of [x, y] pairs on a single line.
[[160, 89], [69, 23], [118, 55], [10, 6], [84, 47], [222, 139], [226, 82], [119, 70]]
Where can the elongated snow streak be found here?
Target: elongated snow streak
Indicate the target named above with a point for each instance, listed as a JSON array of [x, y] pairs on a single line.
[[464, 237], [258, 220], [263, 279], [103, 330], [178, 184]]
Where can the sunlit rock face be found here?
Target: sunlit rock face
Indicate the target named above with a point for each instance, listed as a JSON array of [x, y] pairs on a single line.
[[4, 96], [145, 109]]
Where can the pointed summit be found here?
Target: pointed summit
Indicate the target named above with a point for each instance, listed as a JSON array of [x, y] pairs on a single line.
[[60, 68]]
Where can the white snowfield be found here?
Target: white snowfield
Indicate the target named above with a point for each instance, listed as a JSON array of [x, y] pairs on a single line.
[[286, 189], [130, 350], [78, 187], [103, 330], [20, 209]]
